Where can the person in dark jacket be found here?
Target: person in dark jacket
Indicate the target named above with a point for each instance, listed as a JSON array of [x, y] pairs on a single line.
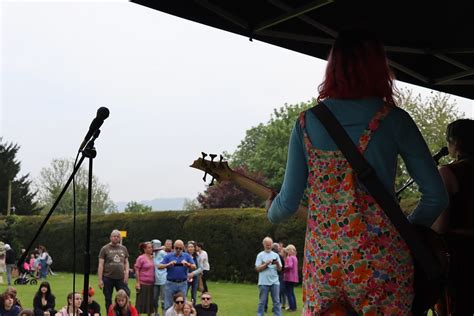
[[10, 261], [44, 301]]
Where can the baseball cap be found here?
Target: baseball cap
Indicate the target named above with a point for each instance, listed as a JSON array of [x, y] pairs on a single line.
[[156, 244]]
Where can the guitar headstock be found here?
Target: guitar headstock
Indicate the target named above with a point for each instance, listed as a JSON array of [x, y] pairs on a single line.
[[219, 170]]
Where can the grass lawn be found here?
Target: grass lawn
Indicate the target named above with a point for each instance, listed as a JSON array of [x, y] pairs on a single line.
[[233, 299]]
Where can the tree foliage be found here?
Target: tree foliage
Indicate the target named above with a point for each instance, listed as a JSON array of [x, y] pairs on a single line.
[[265, 147], [226, 194], [135, 207], [431, 114], [22, 195], [52, 180]]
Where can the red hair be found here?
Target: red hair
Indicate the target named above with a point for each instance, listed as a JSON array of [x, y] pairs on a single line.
[[357, 68]]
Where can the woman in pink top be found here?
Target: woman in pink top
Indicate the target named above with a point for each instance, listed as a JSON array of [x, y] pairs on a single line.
[[290, 276], [145, 274]]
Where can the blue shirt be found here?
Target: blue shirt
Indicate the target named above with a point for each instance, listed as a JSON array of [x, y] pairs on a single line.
[[14, 311], [396, 135], [269, 276], [178, 271], [160, 274]]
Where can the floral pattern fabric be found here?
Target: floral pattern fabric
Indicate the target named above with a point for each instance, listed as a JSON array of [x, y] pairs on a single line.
[[353, 254]]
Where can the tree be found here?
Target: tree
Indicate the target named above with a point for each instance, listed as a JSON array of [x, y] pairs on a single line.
[[432, 115], [191, 205], [226, 194], [265, 147], [22, 197], [52, 180], [135, 207]]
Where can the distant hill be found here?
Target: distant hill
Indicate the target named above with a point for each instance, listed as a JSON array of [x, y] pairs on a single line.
[[163, 204]]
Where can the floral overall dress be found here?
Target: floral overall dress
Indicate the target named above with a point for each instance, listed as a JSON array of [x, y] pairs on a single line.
[[353, 254]]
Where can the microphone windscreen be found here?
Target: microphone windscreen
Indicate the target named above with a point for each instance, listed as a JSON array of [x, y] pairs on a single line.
[[103, 113]]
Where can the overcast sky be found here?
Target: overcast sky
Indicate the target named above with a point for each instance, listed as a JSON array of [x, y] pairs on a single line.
[[174, 88]]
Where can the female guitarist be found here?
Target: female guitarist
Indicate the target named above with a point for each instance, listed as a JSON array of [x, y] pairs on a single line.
[[353, 254]]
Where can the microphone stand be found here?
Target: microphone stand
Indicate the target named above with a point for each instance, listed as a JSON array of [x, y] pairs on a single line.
[[89, 152], [410, 182]]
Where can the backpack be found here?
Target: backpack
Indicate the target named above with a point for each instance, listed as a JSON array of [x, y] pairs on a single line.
[[49, 260]]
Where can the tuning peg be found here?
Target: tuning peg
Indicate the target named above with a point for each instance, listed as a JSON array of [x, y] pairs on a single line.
[[212, 182], [220, 160], [204, 178], [212, 156], [204, 155]]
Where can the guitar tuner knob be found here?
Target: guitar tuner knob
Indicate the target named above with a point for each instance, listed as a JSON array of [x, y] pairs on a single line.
[[212, 182], [204, 178], [212, 156], [204, 155]]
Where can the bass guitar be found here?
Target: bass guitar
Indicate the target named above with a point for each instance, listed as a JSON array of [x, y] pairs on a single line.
[[220, 171]]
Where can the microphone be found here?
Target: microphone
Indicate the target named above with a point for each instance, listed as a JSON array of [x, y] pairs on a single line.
[[102, 114], [443, 152]]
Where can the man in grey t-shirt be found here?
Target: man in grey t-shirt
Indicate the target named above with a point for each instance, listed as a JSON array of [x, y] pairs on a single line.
[[113, 268]]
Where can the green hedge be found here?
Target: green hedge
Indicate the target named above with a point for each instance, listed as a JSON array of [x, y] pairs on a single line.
[[231, 237]]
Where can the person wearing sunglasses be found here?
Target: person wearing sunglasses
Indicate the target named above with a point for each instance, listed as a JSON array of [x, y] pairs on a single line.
[[177, 308], [206, 308], [177, 264]]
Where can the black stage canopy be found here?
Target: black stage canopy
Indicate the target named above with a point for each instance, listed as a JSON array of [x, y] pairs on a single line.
[[429, 43]]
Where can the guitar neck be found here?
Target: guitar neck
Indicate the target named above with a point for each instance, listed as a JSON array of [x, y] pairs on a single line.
[[249, 184], [262, 191]]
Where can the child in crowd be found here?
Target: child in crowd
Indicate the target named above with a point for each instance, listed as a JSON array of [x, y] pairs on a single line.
[[7, 305], [93, 308], [74, 301], [122, 306]]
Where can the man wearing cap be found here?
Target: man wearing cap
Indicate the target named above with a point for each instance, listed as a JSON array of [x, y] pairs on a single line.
[[93, 308], [160, 276], [178, 264], [10, 260], [113, 268]]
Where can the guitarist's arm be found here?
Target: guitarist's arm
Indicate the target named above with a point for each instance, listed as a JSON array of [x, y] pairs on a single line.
[[287, 202]]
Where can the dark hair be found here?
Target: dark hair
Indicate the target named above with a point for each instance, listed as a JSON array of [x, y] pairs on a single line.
[[26, 312], [176, 295], [460, 133], [200, 244], [357, 68], [48, 293]]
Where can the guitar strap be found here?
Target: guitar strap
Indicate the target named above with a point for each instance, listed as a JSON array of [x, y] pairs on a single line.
[[366, 174]]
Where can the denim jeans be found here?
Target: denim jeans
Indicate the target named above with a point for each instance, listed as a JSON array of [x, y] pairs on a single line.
[[109, 285], [171, 289], [9, 273], [43, 273], [158, 295], [282, 289], [290, 293], [193, 286], [274, 290]]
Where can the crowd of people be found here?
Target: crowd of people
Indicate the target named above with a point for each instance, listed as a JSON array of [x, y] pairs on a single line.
[[162, 272], [38, 265], [277, 268]]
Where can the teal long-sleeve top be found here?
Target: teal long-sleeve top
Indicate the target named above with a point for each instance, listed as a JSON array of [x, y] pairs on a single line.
[[397, 135]]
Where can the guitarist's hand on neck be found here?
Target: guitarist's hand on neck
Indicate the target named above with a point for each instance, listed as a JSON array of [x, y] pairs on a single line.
[[268, 202]]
